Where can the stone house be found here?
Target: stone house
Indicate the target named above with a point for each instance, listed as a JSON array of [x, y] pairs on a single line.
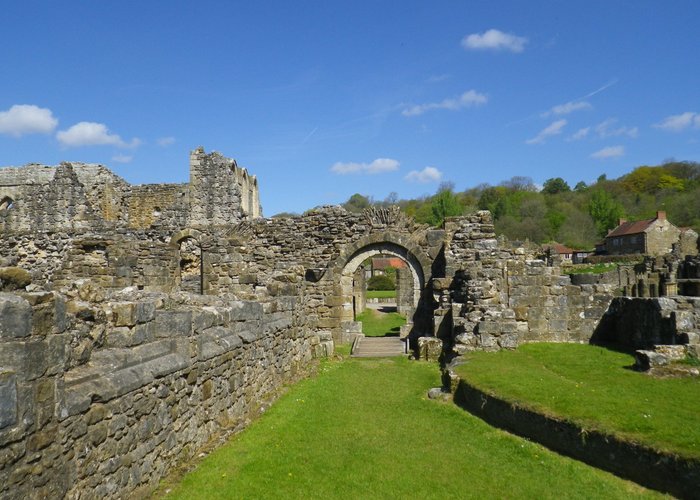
[[654, 237]]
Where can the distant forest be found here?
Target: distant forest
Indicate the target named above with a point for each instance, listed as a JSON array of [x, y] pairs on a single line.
[[577, 216]]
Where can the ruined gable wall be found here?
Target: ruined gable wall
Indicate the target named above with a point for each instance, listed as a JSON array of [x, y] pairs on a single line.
[[56, 204], [102, 398], [161, 205], [216, 185], [661, 236]]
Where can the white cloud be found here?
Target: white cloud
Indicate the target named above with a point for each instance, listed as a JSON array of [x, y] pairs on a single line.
[[554, 128], [92, 134], [438, 78], [494, 39], [428, 174], [581, 133], [566, 108], [122, 158], [605, 130], [23, 119], [378, 166], [165, 141], [467, 99], [609, 152], [677, 123]]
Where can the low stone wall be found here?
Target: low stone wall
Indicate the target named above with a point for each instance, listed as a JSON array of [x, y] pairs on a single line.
[[101, 398], [640, 323], [661, 471]]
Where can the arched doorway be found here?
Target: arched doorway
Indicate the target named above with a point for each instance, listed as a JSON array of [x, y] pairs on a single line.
[[417, 302]]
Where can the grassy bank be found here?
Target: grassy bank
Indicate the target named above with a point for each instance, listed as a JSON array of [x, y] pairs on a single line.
[[364, 429], [376, 324], [596, 388], [381, 294]]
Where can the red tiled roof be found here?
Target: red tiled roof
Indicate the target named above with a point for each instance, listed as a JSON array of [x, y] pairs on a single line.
[[631, 227], [559, 248], [384, 262]]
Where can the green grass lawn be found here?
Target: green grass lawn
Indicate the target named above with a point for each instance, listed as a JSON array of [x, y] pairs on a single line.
[[376, 324], [591, 269], [364, 429], [381, 294], [595, 388]]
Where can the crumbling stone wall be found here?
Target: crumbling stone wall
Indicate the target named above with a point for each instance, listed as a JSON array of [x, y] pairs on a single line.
[[500, 297], [641, 323], [79, 196], [99, 398]]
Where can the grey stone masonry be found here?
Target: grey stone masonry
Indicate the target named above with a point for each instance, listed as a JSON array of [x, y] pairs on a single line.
[[102, 394]]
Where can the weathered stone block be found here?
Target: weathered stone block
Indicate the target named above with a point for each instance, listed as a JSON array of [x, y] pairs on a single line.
[[124, 313], [8, 398], [173, 323], [15, 316], [145, 311], [241, 311], [429, 348]]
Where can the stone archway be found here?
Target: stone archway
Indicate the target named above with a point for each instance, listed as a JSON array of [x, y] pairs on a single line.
[[419, 266]]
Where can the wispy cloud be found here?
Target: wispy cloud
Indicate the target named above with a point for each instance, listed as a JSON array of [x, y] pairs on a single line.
[[609, 152], [552, 129], [122, 158], [438, 78], [425, 176], [581, 133], [164, 142], [606, 129], [93, 134], [566, 108], [378, 166], [22, 119], [494, 39], [467, 99], [678, 123]]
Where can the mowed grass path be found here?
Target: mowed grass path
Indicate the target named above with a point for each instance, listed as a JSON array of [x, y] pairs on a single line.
[[595, 388], [381, 324], [364, 429]]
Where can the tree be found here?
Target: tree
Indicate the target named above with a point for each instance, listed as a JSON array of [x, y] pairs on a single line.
[[604, 211], [520, 183], [357, 203], [555, 185], [381, 282], [444, 204], [580, 187]]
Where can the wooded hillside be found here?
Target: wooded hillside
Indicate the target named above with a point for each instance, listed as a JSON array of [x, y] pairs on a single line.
[[577, 216]]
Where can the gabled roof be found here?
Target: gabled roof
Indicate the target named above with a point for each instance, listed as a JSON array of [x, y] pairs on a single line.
[[631, 227], [559, 248]]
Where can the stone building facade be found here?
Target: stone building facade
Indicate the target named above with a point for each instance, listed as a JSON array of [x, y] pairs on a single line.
[[653, 237]]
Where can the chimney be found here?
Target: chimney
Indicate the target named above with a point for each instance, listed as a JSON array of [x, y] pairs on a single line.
[[621, 221], [660, 215]]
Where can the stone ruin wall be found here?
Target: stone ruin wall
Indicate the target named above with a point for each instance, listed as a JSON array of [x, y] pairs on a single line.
[[120, 385], [101, 396], [501, 297], [81, 197]]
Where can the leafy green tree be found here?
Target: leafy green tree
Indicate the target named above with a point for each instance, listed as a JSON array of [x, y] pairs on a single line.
[[444, 204], [381, 282], [604, 211], [580, 187], [555, 185], [357, 203]]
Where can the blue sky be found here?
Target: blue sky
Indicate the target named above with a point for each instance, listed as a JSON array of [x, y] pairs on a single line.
[[322, 99]]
